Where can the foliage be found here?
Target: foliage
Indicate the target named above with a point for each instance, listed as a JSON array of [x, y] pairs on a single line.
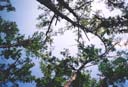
[[16, 54], [57, 71], [67, 71], [6, 5], [78, 14], [114, 71]]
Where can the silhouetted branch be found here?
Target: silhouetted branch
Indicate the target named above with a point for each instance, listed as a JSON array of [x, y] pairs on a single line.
[[52, 7], [65, 5], [49, 27]]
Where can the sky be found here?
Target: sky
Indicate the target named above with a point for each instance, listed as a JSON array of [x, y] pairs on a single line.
[[26, 18], [25, 15]]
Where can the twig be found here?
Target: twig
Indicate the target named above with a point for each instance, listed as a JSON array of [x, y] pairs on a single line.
[[49, 27]]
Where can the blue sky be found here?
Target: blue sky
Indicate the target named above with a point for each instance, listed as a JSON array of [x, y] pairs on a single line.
[[26, 18], [25, 15]]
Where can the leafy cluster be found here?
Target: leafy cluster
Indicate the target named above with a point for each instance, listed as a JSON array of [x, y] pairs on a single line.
[[6, 5], [16, 51], [16, 54], [78, 14]]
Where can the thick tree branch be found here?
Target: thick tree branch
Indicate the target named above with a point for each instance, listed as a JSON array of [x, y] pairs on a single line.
[[63, 3], [52, 7], [72, 78]]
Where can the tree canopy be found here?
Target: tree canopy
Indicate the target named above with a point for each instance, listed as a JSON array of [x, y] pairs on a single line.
[[6, 5], [16, 54], [78, 14], [67, 71]]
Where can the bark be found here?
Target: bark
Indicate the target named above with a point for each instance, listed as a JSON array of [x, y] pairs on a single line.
[[69, 82]]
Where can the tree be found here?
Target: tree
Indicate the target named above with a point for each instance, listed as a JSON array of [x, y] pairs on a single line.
[[105, 28], [57, 71], [6, 5], [16, 53], [67, 71]]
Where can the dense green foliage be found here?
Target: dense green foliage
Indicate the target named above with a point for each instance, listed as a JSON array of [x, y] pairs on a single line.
[[78, 14], [17, 52], [57, 71], [114, 71]]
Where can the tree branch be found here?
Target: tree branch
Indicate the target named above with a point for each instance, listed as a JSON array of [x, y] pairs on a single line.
[[49, 27], [52, 7], [63, 3]]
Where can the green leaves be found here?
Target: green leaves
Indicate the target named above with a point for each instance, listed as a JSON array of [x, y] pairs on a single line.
[[120, 60], [15, 54], [56, 71], [114, 71], [6, 5], [89, 53], [16, 51]]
